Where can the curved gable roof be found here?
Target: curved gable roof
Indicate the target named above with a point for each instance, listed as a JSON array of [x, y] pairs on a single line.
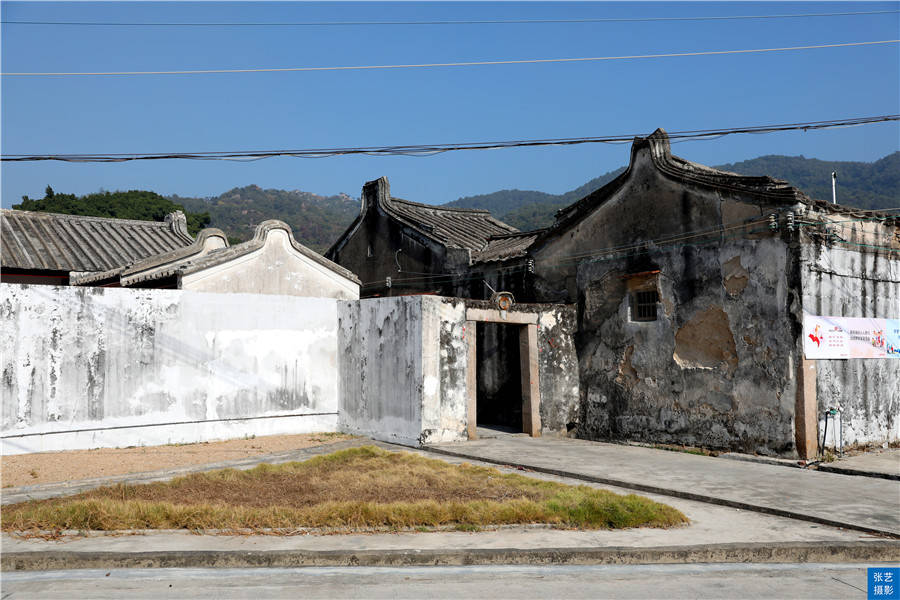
[[198, 262], [462, 228], [149, 267], [762, 188], [766, 188]]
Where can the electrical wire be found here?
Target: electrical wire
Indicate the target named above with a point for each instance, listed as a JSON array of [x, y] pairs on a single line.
[[452, 64], [561, 264], [432, 149], [604, 252], [644, 250], [645, 247], [455, 22]]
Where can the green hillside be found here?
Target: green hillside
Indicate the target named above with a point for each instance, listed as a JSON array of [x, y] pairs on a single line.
[[315, 220], [866, 185], [139, 205]]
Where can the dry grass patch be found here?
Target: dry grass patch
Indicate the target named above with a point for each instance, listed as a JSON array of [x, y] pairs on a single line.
[[357, 488]]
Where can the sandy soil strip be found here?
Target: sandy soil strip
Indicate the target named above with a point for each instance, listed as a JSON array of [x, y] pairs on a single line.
[[50, 467]]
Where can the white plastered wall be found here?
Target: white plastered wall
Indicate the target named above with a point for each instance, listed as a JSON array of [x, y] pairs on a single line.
[[105, 367]]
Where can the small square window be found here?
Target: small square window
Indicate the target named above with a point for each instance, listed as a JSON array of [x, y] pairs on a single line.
[[643, 306]]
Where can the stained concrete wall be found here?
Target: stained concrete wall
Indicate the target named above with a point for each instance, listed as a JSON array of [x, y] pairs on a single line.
[[716, 369], [718, 366], [557, 361], [403, 369], [94, 367], [559, 372], [276, 268], [854, 279]]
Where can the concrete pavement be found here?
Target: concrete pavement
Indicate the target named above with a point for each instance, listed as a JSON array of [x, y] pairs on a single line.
[[715, 534], [515, 545], [819, 581], [883, 463], [718, 532], [860, 503]]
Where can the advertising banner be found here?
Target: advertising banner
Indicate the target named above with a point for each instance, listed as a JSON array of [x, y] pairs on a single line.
[[892, 338], [850, 337]]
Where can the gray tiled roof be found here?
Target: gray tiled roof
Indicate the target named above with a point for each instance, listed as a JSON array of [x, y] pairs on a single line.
[[503, 247], [186, 262], [49, 241], [455, 227], [152, 267]]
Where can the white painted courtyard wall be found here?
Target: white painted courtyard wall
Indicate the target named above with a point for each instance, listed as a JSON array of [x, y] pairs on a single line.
[[276, 268], [105, 367]]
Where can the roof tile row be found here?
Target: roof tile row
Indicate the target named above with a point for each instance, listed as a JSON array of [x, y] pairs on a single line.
[[55, 242]]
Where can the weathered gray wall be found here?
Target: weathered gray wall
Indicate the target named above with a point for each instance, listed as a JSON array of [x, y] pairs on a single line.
[[380, 345], [444, 416], [559, 373], [403, 369], [856, 280], [557, 362], [92, 367], [717, 368], [403, 364]]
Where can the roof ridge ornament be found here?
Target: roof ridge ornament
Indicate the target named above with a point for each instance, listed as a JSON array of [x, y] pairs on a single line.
[[177, 222]]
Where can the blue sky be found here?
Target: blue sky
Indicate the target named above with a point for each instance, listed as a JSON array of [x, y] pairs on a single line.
[[262, 111]]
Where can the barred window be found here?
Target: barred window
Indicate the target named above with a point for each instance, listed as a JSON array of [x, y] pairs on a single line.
[[643, 306]]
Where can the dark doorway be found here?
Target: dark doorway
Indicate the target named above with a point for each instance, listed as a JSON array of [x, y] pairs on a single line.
[[498, 377]]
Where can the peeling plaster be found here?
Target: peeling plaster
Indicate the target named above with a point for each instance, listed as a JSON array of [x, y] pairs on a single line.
[[706, 342], [735, 276]]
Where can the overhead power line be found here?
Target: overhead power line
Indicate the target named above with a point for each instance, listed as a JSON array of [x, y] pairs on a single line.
[[459, 64], [452, 22], [707, 237], [432, 149]]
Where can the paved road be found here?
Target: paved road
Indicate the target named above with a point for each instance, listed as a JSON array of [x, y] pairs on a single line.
[[861, 502], [662, 581]]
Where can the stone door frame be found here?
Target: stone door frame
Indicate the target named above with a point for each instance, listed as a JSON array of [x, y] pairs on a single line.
[[528, 360]]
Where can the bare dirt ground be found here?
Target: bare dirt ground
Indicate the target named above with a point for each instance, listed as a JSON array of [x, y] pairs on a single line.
[[72, 465]]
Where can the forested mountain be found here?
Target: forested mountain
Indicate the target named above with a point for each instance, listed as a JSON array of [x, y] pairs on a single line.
[[525, 209], [866, 185], [316, 220], [139, 205]]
